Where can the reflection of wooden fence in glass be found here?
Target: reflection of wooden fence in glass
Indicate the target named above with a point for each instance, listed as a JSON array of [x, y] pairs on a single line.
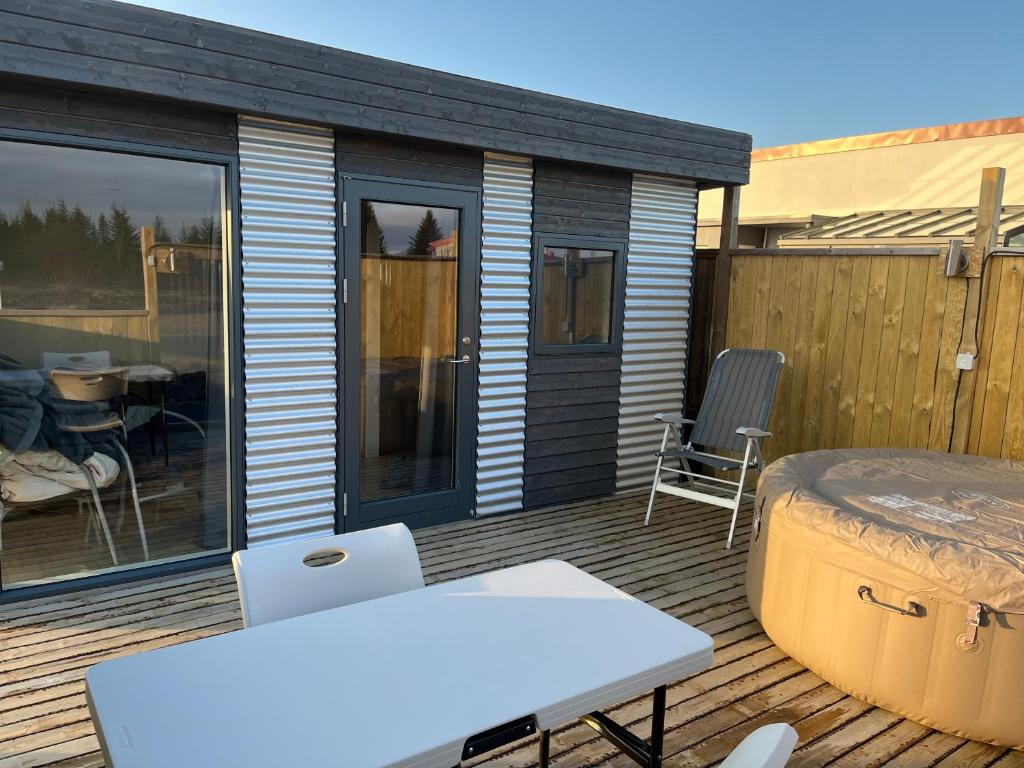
[[408, 307], [184, 284], [871, 342], [593, 302]]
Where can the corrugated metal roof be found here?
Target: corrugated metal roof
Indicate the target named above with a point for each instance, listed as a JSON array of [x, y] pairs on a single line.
[[917, 226]]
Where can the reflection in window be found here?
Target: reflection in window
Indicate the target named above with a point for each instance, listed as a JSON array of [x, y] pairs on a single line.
[[112, 398], [408, 289], [576, 296]]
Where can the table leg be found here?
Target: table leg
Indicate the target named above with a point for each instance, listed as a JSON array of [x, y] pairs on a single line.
[[657, 727], [545, 748], [643, 753]]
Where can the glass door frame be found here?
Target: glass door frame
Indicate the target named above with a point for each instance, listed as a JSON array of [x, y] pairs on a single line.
[[433, 507], [234, 491]]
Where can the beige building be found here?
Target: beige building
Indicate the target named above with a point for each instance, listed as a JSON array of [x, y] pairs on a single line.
[[918, 171]]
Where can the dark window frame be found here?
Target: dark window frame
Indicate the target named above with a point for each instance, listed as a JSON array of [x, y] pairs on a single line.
[[542, 240], [235, 469]]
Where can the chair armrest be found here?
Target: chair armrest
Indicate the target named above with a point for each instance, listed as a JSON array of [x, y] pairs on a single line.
[[751, 432], [673, 418]]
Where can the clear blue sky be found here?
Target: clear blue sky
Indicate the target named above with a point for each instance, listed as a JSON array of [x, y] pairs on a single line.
[[782, 71]]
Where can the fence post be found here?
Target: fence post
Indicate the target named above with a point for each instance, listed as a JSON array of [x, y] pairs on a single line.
[[986, 231], [723, 271]]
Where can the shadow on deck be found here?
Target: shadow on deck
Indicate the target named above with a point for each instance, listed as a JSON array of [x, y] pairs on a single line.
[[678, 564]]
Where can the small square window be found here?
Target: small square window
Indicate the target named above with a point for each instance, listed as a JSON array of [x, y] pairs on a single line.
[[576, 285]]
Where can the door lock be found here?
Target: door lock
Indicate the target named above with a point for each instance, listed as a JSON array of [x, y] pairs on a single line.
[[466, 340]]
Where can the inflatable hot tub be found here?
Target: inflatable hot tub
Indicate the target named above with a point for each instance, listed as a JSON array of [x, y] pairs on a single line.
[[898, 576]]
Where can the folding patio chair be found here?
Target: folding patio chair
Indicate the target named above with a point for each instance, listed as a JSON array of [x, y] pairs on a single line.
[[732, 419], [299, 577]]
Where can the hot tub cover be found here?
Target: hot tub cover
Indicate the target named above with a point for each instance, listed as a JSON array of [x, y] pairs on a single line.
[[955, 520]]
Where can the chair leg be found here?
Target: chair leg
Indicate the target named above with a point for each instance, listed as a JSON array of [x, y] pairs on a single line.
[[101, 514], [739, 495], [135, 499], [657, 476], [654, 490]]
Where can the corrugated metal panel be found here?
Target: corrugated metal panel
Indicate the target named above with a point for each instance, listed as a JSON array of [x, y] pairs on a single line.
[[659, 271], [289, 286], [934, 223], [504, 331]]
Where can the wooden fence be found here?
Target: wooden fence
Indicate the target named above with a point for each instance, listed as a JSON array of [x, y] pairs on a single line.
[[870, 343]]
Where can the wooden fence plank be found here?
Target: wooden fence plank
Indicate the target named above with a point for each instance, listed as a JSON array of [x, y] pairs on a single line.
[[947, 375], [874, 316], [908, 355], [834, 356], [979, 377], [811, 403], [888, 351], [923, 399], [801, 350]]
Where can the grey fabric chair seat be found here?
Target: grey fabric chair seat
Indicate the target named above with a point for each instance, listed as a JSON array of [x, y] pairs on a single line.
[[718, 462]]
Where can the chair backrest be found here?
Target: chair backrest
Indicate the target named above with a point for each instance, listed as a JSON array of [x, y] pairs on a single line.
[[768, 747], [79, 360], [740, 393], [89, 386], [280, 581]]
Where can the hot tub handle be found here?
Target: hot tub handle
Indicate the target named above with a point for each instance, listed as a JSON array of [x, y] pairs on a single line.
[[912, 609]]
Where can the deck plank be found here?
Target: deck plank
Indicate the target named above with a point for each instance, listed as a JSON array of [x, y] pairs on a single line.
[[678, 564]]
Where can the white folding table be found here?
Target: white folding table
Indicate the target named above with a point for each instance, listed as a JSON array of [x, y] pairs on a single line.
[[424, 678]]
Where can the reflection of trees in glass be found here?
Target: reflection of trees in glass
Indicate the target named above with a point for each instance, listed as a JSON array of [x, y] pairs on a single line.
[[64, 245], [426, 233], [206, 232], [160, 232], [373, 235], [63, 257]]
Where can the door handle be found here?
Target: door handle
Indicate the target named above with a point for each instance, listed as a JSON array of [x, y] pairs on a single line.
[[460, 360]]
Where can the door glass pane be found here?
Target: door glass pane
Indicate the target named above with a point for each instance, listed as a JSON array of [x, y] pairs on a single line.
[[409, 270], [576, 300], [112, 398]]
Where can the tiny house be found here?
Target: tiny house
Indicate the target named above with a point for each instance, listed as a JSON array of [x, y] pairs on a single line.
[[254, 289]]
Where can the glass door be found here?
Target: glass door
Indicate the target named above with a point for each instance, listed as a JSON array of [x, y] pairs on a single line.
[[410, 352], [114, 433]]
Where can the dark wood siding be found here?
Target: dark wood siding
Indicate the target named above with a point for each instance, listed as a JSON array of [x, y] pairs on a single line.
[[572, 400], [408, 159], [102, 44], [580, 200], [36, 108]]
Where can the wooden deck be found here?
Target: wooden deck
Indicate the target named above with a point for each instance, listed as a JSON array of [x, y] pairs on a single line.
[[678, 565]]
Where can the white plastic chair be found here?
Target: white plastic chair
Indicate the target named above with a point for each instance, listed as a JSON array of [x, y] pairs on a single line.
[[280, 581], [768, 747]]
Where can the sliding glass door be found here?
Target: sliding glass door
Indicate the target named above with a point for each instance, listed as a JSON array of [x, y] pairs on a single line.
[[113, 417]]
